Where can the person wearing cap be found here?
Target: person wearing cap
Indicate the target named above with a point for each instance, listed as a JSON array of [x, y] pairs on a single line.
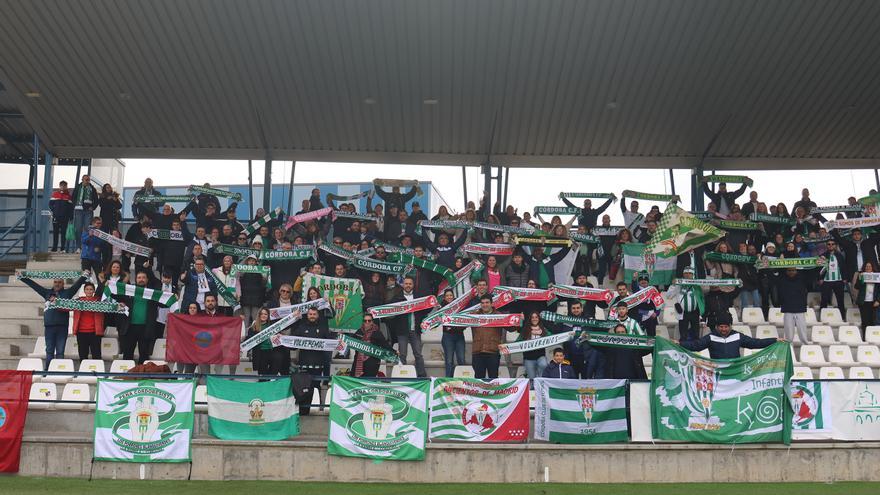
[[725, 343], [689, 305], [417, 214]]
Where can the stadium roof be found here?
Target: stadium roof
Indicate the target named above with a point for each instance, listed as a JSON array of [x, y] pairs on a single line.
[[640, 83]]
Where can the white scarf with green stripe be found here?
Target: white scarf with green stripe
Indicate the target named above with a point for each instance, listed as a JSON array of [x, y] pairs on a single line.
[[167, 299]]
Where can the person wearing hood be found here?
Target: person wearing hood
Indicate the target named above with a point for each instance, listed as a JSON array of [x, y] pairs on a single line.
[[725, 343]]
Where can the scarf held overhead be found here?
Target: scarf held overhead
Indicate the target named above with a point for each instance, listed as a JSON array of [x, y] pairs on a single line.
[[403, 307], [534, 344], [309, 216], [220, 193], [492, 320], [127, 246]]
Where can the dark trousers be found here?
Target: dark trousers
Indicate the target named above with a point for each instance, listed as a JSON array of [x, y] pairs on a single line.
[[485, 365], [595, 364], [689, 326], [867, 312], [836, 288], [56, 340], [89, 343], [59, 232], [94, 265], [136, 336], [279, 361]]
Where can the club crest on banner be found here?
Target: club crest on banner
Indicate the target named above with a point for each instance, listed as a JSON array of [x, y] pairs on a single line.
[[479, 417], [203, 339], [255, 409], [142, 430], [805, 405], [373, 429], [587, 400], [3, 417], [704, 378]]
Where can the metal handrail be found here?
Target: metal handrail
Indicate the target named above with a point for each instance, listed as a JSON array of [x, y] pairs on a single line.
[[17, 241]]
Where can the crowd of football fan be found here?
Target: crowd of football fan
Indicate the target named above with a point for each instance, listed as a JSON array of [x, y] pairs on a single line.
[[178, 264]]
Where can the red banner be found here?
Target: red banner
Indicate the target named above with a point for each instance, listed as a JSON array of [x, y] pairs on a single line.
[[15, 387], [203, 339]]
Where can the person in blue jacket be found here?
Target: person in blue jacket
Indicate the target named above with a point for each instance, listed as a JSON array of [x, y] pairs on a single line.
[[558, 367], [55, 321], [724, 343], [90, 254]]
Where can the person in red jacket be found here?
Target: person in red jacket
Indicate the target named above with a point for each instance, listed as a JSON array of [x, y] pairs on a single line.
[[88, 326]]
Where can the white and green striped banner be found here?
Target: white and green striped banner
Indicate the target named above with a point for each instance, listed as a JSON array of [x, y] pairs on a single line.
[[580, 411], [252, 410], [472, 410], [144, 420], [167, 299], [377, 419]]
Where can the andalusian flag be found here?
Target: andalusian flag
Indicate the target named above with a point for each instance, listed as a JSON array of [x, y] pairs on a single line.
[[472, 410], [252, 410], [378, 420], [743, 400], [345, 296], [580, 411], [679, 232], [636, 259]]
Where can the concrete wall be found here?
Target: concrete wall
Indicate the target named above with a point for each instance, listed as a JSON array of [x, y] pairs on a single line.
[[59, 443]]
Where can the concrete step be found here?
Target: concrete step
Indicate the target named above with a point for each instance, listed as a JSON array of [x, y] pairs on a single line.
[[33, 327], [20, 310], [72, 264], [8, 363], [13, 330], [16, 346], [19, 293]]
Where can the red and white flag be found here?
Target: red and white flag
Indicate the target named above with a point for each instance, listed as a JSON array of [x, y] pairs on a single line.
[[15, 387], [471, 410]]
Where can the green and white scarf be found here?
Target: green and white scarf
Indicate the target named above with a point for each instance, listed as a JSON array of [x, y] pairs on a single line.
[[127, 246], [782, 263], [731, 258], [371, 350], [587, 195], [373, 265], [535, 344], [606, 231], [650, 196], [557, 210], [269, 331], [167, 299], [708, 282], [179, 198], [483, 248], [336, 251], [263, 220], [443, 224], [220, 193], [704, 215], [409, 259], [585, 238], [777, 219], [737, 225], [356, 216], [240, 268], [835, 209], [165, 234], [282, 311], [237, 251], [728, 179], [296, 253], [351, 197], [576, 321], [391, 248], [306, 343], [93, 306], [395, 183], [495, 227], [403, 307], [870, 278], [227, 293], [48, 274], [621, 341]]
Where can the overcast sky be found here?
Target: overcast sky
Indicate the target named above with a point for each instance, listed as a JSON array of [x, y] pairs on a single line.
[[528, 187]]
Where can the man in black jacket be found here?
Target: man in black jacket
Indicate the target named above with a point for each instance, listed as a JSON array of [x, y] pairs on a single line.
[[792, 290], [140, 326], [724, 199], [724, 343], [407, 328], [588, 216], [856, 251], [311, 362]]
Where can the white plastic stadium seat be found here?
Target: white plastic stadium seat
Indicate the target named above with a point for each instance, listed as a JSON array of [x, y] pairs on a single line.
[[748, 352], [433, 335], [109, 348], [463, 371], [872, 334], [43, 391], [60, 365], [822, 334], [811, 355], [403, 371], [74, 393], [159, 349], [811, 317], [89, 366], [853, 317], [670, 316], [600, 312], [663, 331], [40, 348], [71, 348], [30, 364], [840, 354], [868, 355], [201, 401], [766, 332], [802, 373], [743, 329], [861, 373], [753, 316], [503, 372], [776, 317], [831, 373], [340, 369], [121, 365], [733, 314], [648, 360], [849, 334], [831, 316]]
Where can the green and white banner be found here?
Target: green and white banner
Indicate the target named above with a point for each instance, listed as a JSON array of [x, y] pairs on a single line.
[[557, 210], [811, 405], [49, 274], [345, 296], [637, 259], [587, 195], [777, 219], [727, 179], [144, 420], [377, 419], [122, 244], [580, 411], [650, 196], [679, 232], [473, 410], [855, 408], [220, 193], [783, 263], [252, 410], [744, 400], [534, 344]]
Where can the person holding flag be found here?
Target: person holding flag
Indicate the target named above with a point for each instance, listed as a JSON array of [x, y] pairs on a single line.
[[725, 343]]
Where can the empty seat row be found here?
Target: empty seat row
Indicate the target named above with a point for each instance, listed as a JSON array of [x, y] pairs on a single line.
[[109, 348], [813, 355], [833, 373]]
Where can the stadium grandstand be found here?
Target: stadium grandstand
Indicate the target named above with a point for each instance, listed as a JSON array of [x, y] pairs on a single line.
[[371, 331]]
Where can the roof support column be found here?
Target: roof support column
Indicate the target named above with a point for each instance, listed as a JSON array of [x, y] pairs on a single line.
[[498, 189], [251, 187], [487, 185], [671, 180], [290, 191], [267, 185], [506, 183], [877, 179], [48, 179], [696, 191], [464, 184]]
